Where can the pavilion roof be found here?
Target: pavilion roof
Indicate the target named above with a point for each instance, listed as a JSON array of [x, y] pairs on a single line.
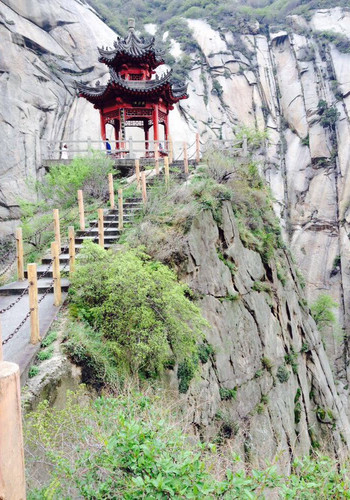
[[118, 87], [131, 49]]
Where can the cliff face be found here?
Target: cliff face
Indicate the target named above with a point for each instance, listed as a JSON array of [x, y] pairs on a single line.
[[267, 350], [44, 47], [269, 80]]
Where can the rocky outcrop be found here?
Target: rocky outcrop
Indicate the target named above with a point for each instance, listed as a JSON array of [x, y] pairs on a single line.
[[44, 47], [267, 350]]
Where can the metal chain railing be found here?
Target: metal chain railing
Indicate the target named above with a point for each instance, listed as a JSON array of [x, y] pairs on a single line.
[[17, 329]]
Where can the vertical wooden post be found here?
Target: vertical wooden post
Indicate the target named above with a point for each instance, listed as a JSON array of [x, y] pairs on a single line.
[[137, 174], [56, 222], [120, 210], [1, 355], [101, 230], [81, 210], [185, 159], [56, 274], [12, 477], [197, 148], [111, 190], [171, 150], [71, 238], [144, 189], [19, 252], [33, 304], [166, 170]]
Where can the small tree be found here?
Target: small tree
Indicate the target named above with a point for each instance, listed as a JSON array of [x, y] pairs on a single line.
[[322, 311], [142, 311]]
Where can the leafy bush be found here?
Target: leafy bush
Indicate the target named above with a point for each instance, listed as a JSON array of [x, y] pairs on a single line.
[[282, 374], [329, 114], [33, 371], [322, 311], [134, 446], [227, 394], [49, 339], [138, 305]]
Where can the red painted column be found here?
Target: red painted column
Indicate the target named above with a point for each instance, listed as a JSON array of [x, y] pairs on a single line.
[[116, 133], [103, 126], [146, 129], [155, 118], [166, 129]]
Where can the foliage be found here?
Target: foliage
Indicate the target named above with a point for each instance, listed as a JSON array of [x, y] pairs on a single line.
[[134, 446], [49, 339], [138, 306], [282, 374], [255, 138], [204, 352], [45, 354], [291, 359], [262, 286], [267, 363], [227, 394], [322, 311], [329, 114], [185, 373], [217, 88], [33, 371]]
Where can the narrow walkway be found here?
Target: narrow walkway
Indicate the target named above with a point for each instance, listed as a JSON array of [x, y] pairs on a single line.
[[14, 301]]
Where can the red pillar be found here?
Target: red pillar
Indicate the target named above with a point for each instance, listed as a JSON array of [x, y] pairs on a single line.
[[116, 134], [166, 131], [155, 118], [146, 129], [103, 126]]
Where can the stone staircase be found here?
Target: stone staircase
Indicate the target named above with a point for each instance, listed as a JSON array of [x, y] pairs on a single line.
[[111, 236]]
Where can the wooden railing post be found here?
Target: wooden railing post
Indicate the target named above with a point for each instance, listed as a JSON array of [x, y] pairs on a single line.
[[33, 304], [19, 253], [101, 230], [71, 238], [1, 354], [12, 476], [81, 210], [166, 170], [137, 175], [56, 222], [197, 148], [185, 159], [144, 188], [56, 274], [120, 210], [111, 190], [171, 150]]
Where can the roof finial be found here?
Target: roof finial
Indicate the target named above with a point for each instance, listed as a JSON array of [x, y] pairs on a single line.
[[131, 23]]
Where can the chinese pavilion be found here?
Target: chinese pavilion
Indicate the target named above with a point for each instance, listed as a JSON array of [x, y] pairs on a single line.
[[133, 96]]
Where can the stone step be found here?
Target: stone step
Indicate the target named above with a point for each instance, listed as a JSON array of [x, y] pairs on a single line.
[[109, 230], [42, 269], [17, 287], [94, 238]]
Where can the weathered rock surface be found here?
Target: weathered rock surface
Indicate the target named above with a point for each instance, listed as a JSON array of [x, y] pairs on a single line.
[[269, 417]]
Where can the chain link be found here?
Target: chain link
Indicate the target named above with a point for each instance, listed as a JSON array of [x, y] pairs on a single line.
[[4, 271], [17, 329]]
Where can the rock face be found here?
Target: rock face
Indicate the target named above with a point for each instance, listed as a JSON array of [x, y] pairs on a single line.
[[267, 349], [45, 46], [272, 81]]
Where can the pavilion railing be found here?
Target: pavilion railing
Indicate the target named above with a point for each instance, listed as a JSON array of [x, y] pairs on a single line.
[[131, 149]]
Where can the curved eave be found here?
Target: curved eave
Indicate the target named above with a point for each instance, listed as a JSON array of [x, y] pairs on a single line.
[[113, 90], [117, 58]]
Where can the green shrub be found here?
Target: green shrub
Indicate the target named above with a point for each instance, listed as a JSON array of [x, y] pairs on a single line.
[[291, 359], [282, 374], [227, 394], [262, 286], [134, 446], [185, 373], [204, 352], [138, 306], [49, 339], [45, 354], [33, 371], [267, 363], [322, 311]]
